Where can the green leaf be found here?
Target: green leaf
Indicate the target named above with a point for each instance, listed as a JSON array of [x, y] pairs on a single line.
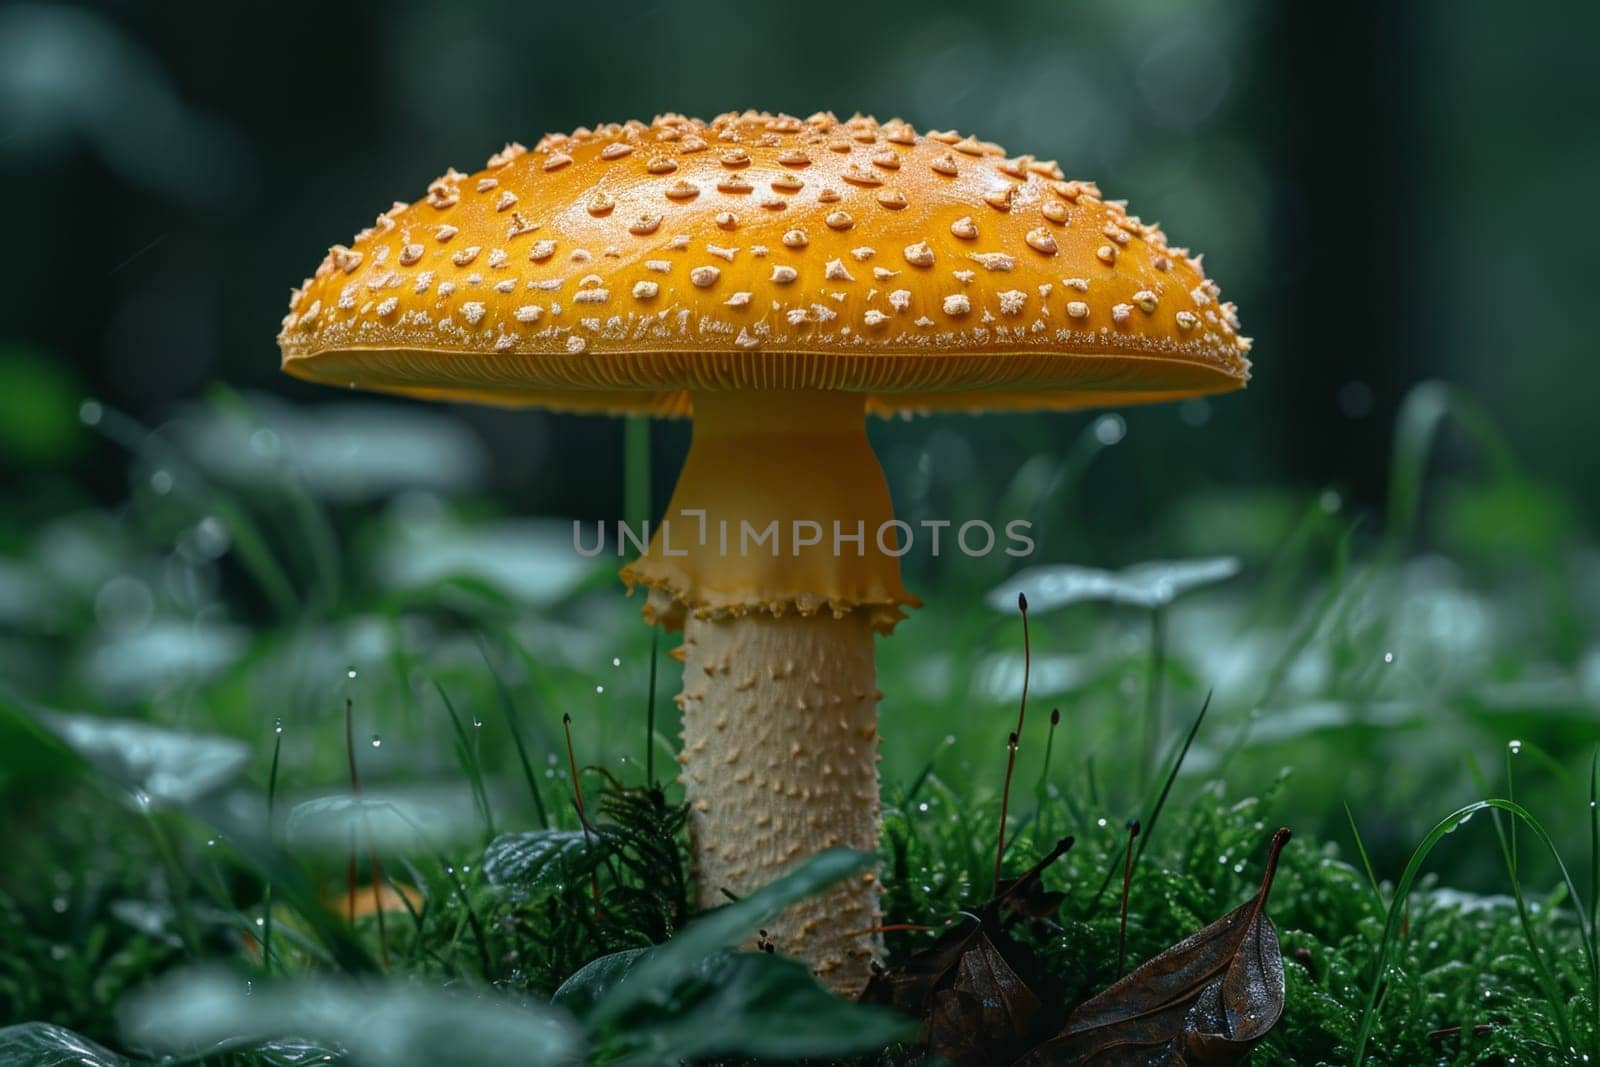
[[537, 863], [393, 1023], [46, 1045], [591, 982], [292, 1052], [156, 765], [762, 1006], [1153, 584], [392, 821], [655, 976]]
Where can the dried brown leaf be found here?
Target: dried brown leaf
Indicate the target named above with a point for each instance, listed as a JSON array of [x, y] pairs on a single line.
[[1205, 1001], [979, 993]]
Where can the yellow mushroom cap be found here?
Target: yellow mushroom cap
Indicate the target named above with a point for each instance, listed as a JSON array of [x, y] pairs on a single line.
[[619, 268]]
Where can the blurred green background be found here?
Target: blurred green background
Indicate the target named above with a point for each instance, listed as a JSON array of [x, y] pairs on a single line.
[[1392, 193]]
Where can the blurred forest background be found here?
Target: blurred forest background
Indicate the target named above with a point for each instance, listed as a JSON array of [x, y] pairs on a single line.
[[1392, 193], [1396, 193]]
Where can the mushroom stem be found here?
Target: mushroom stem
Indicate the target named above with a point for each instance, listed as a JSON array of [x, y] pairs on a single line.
[[778, 559], [780, 761]]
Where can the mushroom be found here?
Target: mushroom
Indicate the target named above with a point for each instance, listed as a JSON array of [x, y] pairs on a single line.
[[778, 280]]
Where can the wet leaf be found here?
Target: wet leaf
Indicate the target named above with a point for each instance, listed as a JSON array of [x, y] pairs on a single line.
[[401, 1024], [750, 1004], [1153, 584], [979, 993], [532, 561], [45, 1045], [593, 980], [1205, 1001], [536, 863], [344, 452], [152, 763], [401, 822], [664, 967]]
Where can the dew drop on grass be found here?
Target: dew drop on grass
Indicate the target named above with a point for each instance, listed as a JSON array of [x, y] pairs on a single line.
[[616, 661], [377, 742], [1388, 657], [351, 673], [1515, 747], [277, 726], [599, 689]]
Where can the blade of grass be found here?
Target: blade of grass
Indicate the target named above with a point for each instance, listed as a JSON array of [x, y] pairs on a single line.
[[249, 544], [650, 710], [1012, 743], [1446, 825], [1594, 847], [1508, 851], [1149, 824], [315, 527], [514, 725], [1153, 690], [272, 802], [467, 754], [1366, 860], [1041, 789], [1416, 430]]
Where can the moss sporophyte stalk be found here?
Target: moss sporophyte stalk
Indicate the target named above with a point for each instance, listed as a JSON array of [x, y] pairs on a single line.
[[777, 280]]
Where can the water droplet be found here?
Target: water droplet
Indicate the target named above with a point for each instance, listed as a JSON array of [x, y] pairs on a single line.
[[161, 482], [1100, 822], [90, 412], [1109, 429], [616, 661], [377, 742], [1388, 657], [277, 726], [264, 442], [1515, 747], [351, 673], [477, 723], [599, 689], [211, 842], [922, 806]]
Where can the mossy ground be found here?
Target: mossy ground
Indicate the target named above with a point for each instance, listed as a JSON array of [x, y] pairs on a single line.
[[1387, 669]]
